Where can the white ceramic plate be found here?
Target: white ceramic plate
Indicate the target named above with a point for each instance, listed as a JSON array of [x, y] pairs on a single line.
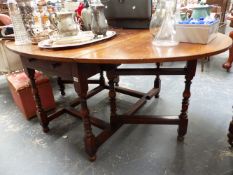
[[81, 39]]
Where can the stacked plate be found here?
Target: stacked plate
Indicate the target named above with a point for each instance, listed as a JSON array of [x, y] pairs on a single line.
[[82, 38]]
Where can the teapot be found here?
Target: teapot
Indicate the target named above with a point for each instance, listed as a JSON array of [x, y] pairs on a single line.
[[99, 25], [65, 23]]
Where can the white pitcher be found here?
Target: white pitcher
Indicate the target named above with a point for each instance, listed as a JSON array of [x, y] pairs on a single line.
[[65, 23]]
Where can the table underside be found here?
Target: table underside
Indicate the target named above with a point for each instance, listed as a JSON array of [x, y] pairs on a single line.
[[79, 75]]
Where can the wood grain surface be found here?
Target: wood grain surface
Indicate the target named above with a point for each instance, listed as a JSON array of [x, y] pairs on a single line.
[[128, 46]]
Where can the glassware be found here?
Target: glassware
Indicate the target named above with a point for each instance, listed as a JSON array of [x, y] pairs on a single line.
[[32, 20], [26, 11], [157, 17], [21, 36], [44, 12], [167, 34]]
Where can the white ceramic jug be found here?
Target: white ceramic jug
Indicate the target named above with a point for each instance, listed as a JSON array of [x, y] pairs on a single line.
[[65, 23]]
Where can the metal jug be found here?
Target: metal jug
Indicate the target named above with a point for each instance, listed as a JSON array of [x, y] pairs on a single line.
[[99, 25]]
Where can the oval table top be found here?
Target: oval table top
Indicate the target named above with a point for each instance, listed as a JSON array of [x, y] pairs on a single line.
[[128, 46]]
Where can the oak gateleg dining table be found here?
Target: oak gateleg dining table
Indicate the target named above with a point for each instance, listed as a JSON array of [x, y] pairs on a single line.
[[78, 64]]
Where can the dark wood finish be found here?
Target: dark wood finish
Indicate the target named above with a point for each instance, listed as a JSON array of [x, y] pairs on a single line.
[[150, 71], [157, 82], [56, 114], [61, 83], [112, 77], [78, 64], [230, 134], [81, 87], [153, 92], [40, 111], [227, 65], [91, 93], [102, 79], [94, 121], [61, 86], [138, 119], [107, 133], [136, 106], [188, 71], [130, 92], [191, 69]]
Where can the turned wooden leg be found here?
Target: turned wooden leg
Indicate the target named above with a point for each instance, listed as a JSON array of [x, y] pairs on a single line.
[[230, 134], [81, 87], [228, 63], [203, 61], [112, 77], [61, 86], [202, 64], [102, 79], [183, 125], [43, 118], [157, 82], [117, 81]]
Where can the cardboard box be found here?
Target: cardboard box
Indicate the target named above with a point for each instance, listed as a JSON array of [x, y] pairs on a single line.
[[21, 91], [197, 33]]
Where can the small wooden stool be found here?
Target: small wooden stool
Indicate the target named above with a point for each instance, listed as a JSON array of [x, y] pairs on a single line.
[[20, 88]]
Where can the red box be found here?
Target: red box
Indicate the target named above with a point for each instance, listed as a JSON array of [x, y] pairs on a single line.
[[21, 92]]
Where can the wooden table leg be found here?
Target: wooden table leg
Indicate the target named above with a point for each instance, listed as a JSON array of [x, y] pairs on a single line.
[[157, 82], [81, 88], [228, 63], [117, 81], [182, 129], [102, 79], [230, 134], [43, 118], [112, 77], [61, 86]]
